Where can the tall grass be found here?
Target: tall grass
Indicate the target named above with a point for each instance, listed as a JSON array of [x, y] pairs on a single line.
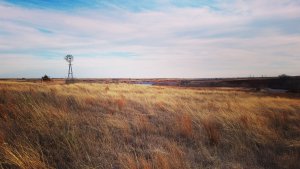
[[143, 127]]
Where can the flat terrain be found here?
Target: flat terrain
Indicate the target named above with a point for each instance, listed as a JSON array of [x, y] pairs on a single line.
[[128, 126], [283, 82]]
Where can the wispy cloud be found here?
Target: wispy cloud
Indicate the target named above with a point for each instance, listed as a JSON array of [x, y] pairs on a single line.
[[159, 39]]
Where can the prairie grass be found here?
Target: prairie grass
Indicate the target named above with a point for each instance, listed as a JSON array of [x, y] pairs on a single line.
[[122, 126]]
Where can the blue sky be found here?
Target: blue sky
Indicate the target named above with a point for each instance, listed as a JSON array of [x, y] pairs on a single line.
[[143, 39]]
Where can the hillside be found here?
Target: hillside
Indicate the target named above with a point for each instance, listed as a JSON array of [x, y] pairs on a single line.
[[126, 126]]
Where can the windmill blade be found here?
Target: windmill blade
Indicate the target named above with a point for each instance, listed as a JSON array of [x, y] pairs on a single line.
[[69, 58]]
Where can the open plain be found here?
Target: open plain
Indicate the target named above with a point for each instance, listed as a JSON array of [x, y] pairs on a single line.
[[130, 126]]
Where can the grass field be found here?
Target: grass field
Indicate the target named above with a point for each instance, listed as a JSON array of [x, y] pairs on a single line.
[[145, 127]]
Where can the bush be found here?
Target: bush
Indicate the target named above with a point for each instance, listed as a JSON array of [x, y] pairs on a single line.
[[46, 78]]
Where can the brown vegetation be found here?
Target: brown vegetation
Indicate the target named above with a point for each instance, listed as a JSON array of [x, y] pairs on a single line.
[[143, 127]]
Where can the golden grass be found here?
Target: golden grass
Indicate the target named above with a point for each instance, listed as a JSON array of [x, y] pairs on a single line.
[[143, 127]]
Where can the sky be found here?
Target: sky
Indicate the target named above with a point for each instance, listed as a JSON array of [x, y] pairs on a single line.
[[149, 39]]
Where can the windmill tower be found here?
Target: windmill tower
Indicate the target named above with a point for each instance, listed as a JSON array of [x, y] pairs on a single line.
[[69, 59]]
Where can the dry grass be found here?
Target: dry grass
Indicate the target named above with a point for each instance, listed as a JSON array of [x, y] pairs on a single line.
[[139, 127]]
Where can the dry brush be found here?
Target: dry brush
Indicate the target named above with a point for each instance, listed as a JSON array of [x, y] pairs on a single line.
[[143, 127]]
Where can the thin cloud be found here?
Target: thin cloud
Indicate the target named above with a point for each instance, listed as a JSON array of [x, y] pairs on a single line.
[[210, 40]]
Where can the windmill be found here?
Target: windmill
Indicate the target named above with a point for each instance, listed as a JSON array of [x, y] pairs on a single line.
[[69, 59]]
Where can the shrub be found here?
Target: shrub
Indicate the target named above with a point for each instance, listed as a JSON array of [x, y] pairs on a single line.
[[212, 130], [46, 78], [186, 127], [121, 102], [106, 89]]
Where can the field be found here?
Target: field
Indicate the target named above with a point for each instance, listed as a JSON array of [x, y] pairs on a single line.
[[287, 83], [127, 126]]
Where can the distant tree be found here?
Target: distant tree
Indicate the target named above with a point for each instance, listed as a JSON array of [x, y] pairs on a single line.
[[283, 76], [46, 78]]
